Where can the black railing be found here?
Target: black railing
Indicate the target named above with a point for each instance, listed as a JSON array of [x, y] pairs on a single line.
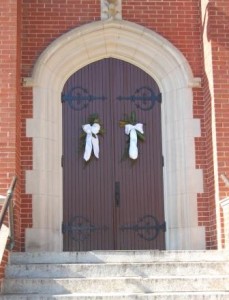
[[9, 205]]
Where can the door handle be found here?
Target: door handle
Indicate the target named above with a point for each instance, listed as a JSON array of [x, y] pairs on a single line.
[[117, 193]]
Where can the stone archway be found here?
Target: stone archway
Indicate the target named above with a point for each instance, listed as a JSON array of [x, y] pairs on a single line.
[[166, 64]]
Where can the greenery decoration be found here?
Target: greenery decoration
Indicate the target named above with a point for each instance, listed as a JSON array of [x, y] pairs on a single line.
[[92, 119], [130, 119]]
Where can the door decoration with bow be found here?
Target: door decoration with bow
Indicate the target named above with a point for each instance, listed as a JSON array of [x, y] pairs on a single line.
[[89, 137], [135, 132]]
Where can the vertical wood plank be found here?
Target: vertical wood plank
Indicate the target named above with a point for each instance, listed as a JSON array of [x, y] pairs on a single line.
[[89, 189]]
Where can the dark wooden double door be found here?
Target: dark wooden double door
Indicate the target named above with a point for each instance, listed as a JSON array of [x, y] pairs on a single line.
[[112, 202]]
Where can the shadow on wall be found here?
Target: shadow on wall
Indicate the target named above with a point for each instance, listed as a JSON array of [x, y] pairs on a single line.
[[215, 27]]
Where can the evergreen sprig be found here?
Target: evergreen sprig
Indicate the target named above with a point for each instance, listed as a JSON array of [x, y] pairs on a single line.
[[130, 119], [92, 119]]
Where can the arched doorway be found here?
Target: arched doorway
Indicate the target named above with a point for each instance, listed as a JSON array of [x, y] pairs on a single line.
[[113, 202], [170, 69]]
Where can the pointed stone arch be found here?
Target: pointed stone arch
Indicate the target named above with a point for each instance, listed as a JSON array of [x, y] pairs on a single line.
[[167, 65]]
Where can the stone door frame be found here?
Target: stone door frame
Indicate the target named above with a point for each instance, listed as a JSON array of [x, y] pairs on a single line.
[[169, 68]]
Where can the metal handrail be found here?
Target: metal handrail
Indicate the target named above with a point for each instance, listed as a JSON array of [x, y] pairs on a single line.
[[8, 205]]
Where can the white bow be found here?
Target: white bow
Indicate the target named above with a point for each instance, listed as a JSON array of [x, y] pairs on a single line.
[[92, 140], [131, 130]]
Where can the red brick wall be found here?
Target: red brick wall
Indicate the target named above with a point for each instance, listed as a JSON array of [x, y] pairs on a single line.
[[219, 36], [18, 151], [206, 201], [26, 162], [217, 33], [180, 22], [45, 20], [10, 105]]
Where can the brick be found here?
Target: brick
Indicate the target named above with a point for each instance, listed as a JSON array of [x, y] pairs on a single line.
[[28, 27]]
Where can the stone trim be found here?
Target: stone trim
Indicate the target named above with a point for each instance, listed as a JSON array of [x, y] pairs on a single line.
[[224, 203], [167, 65], [111, 10]]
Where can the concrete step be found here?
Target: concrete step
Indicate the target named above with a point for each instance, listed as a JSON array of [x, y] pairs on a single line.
[[117, 270], [132, 296], [118, 257], [117, 285], [117, 275]]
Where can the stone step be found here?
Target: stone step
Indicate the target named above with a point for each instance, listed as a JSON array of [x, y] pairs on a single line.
[[158, 269], [118, 256], [139, 296], [117, 275], [116, 285]]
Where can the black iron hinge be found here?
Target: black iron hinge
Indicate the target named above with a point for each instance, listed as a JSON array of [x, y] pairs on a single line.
[[162, 160], [62, 98], [159, 98], [62, 160], [148, 227], [64, 227]]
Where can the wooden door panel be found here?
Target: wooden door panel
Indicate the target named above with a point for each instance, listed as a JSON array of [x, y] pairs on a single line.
[[89, 191], [141, 189], [86, 202]]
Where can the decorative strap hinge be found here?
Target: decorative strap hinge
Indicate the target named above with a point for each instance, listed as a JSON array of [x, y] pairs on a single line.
[[159, 99], [78, 98], [143, 98], [79, 228], [147, 227], [64, 228]]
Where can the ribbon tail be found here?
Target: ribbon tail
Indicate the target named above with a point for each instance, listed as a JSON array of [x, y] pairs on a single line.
[[95, 143], [133, 149], [88, 147]]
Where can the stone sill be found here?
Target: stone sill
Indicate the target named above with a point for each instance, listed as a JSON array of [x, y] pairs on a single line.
[[224, 203], [2, 199]]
